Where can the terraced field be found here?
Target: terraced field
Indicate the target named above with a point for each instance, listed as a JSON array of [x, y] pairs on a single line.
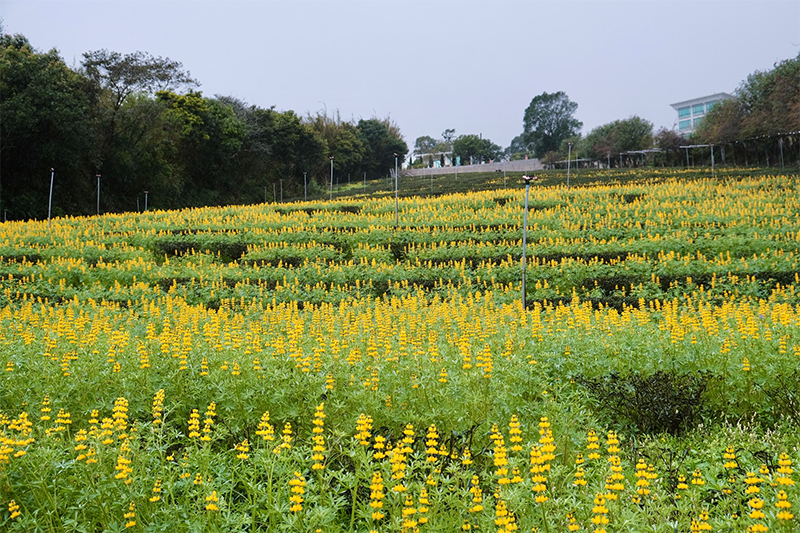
[[315, 367]]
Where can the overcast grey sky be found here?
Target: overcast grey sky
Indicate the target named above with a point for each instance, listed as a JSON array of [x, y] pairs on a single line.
[[431, 65]]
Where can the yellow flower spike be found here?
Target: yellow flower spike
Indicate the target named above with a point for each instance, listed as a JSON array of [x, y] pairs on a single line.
[[130, 516], [783, 506], [515, 434], [377, 496], [318, 449], [211, 501], [242, 448], [194, 424], [730, 458], [156, 491], [297, 488], [265, 429], [13, 509]]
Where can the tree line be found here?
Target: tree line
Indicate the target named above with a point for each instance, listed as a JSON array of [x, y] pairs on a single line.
[[760, 125], [139, 123]]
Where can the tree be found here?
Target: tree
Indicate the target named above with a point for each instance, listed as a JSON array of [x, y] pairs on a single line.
[[383, 143], [276, 146], [343, 141], [518, 149], [475, 148], [722, 124], [771, 100], [425, 145], [448, 136], [115, 77], [767, 103], [670, 142], [210, 136], [44, 125], [633, 133], [124, 75], [548, 120]]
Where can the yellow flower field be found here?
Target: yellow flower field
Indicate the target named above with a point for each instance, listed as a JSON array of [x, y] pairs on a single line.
[[313, 367]]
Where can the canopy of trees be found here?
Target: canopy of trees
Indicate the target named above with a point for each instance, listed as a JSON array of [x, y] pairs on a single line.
[[548, 121], [633, 133], [475, 149], [139, 122], [766, 103]]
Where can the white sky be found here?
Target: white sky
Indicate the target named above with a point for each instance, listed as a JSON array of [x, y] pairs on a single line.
[[469, 65]]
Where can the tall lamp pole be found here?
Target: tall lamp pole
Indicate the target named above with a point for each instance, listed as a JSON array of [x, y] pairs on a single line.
[[569, 161], [331, 196], [305, 186], [98, 194], [528, 180], [50, 202], [396, 216]]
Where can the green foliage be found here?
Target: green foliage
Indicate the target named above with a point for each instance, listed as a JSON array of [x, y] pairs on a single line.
[[766, 103], [127, 118], [45, 124], [662, 402], [619, 136], [476, 149], [382, 146], [548, 120]]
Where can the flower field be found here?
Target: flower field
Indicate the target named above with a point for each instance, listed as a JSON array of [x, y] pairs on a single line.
[[313, 367]]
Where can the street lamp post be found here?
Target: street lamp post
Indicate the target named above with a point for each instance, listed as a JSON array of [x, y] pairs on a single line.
[[569, 161], [145, 200], [305, 186], [713, 171], [396, 215], [331, 196], [281, 190], [98, 194], [528, 180], [50, 202]]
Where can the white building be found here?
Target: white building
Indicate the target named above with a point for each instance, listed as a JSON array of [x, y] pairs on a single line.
[[691, 112]]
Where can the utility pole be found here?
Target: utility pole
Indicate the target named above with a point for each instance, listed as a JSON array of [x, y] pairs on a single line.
[[98, 194], [50, 202], [569, 160], [331, 196], [528, 180], [396, 215]]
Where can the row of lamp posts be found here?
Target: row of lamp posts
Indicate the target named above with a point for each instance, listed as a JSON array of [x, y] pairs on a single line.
[[526, 179]]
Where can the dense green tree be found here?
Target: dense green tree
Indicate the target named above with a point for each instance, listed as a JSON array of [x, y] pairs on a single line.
[[383, 143], [44, 109], [210, 136], [770, 100], [548, 120], [448, 136], [670, 142], [633, 133], [344, 144], [476, 149], [425, 145], [115, 78], [767, 103]]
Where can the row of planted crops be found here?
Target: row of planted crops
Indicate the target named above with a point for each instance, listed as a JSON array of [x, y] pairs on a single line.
[[316, 367]]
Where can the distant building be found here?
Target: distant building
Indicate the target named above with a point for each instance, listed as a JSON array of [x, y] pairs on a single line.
[[437, 159], [691, 112]]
